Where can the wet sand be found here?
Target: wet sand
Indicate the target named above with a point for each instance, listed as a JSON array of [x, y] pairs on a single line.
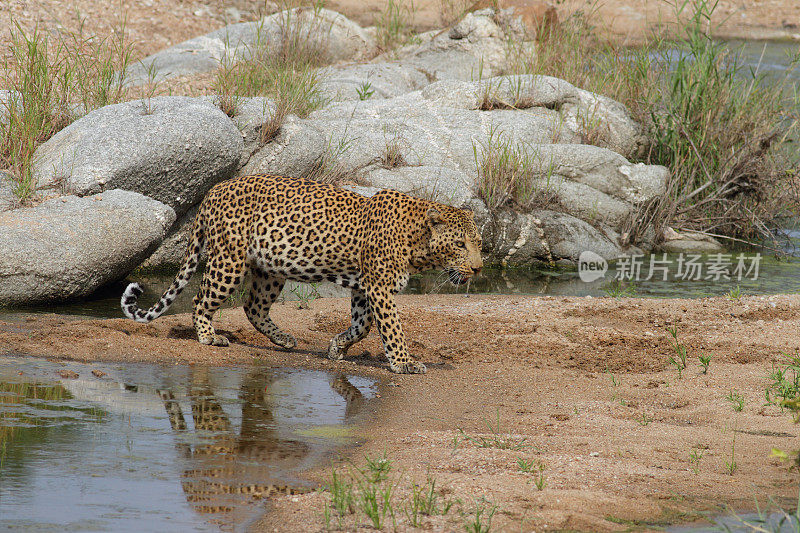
[[582, 384]]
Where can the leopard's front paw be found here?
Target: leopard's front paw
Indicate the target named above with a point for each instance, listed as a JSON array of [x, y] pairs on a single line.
[[214, 340], [284, 340], [408, 367], [335, 352]]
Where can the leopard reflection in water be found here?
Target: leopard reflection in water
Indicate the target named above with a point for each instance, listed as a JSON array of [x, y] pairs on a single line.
[[226, 476]]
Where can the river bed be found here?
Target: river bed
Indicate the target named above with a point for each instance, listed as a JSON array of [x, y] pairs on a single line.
[[137, 447]]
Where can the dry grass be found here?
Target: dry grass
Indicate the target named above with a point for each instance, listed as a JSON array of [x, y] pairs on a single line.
[[513, 175], [718, 126], [285, 71], [329, 168], [394, 25], [52, 80], [451, 11], [392, 156]]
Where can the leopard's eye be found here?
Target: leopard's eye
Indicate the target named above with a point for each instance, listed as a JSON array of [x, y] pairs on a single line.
[[461, 244]]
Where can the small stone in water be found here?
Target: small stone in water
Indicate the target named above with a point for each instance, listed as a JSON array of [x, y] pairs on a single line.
[[68, 374], [98, 373]]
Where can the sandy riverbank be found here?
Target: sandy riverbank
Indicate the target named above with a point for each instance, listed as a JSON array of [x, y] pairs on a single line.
[[613, 454]]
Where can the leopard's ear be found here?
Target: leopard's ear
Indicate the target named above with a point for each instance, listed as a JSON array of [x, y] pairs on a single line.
[[435, 218], [469, 212]]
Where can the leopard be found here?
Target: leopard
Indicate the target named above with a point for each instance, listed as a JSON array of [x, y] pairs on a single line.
[[277, 228]]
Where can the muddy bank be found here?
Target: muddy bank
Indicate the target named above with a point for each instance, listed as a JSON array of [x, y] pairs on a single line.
[[616, 450]]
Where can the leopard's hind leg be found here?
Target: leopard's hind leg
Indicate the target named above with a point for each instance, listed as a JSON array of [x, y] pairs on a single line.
[[360, 324], [263, 291], [221, 277]]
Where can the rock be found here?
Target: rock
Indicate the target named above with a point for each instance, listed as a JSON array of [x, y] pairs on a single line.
[[370, 80], [68, 374], [437, 183], [689, 242], [475, 47], [250, 116], [596, 184], [8, 200], [574, 115], [568, 236], [336, 37], [510, 237], [173, 153], [294, 152], [68, 247], [171, 251], [439, 135]]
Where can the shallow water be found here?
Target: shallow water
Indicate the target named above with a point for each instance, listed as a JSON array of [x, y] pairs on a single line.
[[775, 276], [162, 448]]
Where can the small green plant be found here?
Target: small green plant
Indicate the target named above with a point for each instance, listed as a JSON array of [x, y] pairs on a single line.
[[365, 91], [784, 380], [678, 359], [730, 466], [533, 467], [341, 493], [695, 455], [151, 87], [736, 399], [705, 360], [480, 521], [375, 501], [525, 465], [377, 469], [424, 501], [306, 293], [619, 289], [644, 420], [614, 383], [734, 295]]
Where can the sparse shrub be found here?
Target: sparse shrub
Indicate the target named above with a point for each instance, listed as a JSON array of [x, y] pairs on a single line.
[[393, 154], [511, 174], [705, 361], [736, 399], [394, 25], [619, 289], [329, 168], [51, 81], [714, 123], [285, 71]]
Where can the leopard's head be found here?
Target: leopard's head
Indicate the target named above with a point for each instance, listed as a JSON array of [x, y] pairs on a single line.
[[455, 243]]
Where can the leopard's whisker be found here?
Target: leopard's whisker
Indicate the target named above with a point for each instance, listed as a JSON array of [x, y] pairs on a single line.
[[438, 284]]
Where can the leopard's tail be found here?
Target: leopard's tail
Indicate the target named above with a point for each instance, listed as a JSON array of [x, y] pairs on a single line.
[[189, 266]]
